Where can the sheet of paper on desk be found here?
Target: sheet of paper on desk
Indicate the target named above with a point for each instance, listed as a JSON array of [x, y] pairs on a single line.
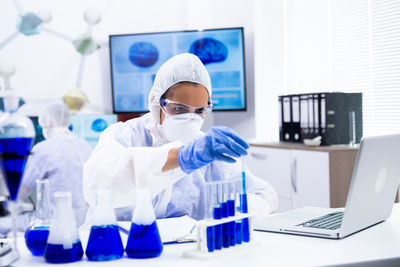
[[172, 230]]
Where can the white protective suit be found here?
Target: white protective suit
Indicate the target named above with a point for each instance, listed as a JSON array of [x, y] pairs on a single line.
[[59, 158], [133, 154]]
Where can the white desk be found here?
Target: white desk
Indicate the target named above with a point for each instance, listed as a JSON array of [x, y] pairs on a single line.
[[374, 245]]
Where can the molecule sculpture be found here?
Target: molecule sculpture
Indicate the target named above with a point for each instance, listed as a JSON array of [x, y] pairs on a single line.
[[32, 23]]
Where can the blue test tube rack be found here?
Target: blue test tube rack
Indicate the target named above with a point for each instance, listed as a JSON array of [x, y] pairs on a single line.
[[202, 242]]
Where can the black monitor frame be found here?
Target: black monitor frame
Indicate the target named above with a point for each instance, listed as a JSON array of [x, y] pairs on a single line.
[[143, 112]]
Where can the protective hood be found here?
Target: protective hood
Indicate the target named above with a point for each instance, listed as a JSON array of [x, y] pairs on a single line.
[[181, 68]]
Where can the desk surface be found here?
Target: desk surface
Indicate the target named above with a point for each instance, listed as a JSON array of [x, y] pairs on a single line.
[[380, 242]]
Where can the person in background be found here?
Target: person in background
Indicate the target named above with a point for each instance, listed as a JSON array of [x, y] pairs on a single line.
[[59, 158], [165, 152]]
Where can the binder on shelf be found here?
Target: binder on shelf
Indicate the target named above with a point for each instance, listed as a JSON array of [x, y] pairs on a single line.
[[316, 115], [280, 117], [343, 114], [322, 109], [311, 116], [336, 117], [286, 121], [305, 133], [295, 129]]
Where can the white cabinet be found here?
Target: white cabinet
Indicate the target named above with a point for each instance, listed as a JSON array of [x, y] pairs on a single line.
[[303, 177], [310, 177]]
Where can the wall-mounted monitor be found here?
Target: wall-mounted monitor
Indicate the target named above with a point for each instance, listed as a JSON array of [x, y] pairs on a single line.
[[136, 58]]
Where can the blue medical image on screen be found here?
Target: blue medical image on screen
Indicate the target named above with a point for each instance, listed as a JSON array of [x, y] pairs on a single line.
[[143, 54], [228, 99], [89, 127], [226, 79], [136, 58], [209, 50], [99, 125]]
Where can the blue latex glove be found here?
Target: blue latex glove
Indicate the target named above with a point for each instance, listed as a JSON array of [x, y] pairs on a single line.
[[219, 143]]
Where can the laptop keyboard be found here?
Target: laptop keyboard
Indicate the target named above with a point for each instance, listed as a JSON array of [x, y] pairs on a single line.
[[331, 221]]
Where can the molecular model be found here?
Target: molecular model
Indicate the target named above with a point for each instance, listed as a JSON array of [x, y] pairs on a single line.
[[32, 23]]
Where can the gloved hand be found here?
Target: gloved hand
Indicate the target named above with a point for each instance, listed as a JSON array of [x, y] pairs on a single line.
[[219, 143]]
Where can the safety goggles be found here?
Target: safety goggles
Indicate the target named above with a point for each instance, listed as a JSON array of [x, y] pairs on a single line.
[[175, 108]]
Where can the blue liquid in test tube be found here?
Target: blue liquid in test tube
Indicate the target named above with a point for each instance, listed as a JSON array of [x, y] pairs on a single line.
[[238, 229], [218, 228], [210, 238], [231, 212], [210, 199], [244, 208], [245, 221], [225, 226]]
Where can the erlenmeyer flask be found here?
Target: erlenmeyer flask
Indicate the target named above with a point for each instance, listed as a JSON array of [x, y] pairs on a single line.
[[105, 242], [37, 234], [63, 244], [144, 240]]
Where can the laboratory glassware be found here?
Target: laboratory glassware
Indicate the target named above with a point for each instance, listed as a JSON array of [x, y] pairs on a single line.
[[63, 244], [144, 239], [104, 240], [16, 139], [36, 235]]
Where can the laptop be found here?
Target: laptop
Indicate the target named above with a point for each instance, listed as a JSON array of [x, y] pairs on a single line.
[[370, 200]]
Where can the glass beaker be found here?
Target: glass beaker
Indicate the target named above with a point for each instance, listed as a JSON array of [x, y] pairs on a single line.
[[36, 235], [144, 239], [105, 242], [63, 244]]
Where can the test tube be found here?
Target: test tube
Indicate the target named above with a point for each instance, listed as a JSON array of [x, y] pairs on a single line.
[[245, 221], [217, 215], [238, 223], [224, 208], [231, 211], [210, 229]]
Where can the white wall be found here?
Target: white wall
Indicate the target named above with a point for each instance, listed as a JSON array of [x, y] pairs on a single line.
[[47, 66], [269, 68], [292, 55]]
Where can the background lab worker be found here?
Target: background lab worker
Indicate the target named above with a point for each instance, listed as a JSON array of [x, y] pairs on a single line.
[[165, 152], [59, 158]]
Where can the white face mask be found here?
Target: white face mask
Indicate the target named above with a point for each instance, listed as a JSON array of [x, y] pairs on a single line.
[[55, 131], [182, 127]]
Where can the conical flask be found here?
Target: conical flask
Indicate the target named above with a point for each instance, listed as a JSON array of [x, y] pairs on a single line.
[[105, 242], [37, 234], [63, 244], [144, 240]]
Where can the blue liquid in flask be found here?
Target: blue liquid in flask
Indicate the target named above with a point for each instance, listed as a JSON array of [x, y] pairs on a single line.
[[104, 243], [14, 153], [56, 253], [144, 241], [36, 239]]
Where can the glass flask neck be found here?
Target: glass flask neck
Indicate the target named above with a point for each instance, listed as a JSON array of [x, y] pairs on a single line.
[[43, 200], [104, 213], [11, 101]]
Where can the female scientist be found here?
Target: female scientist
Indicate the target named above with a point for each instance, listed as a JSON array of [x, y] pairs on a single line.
[[165, 152]]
